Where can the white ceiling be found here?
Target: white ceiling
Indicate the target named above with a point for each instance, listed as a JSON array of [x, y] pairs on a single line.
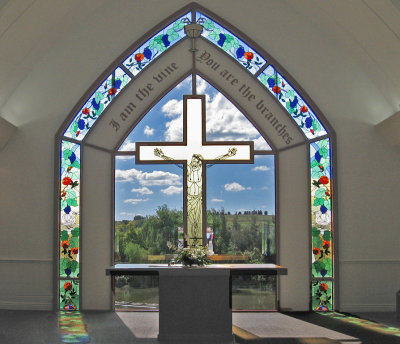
[[344, 53]]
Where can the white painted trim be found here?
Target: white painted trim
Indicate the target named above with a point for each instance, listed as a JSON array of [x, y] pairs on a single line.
[[367, 308]]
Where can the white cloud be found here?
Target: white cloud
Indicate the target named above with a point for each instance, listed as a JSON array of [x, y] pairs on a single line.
[[235, 187], [157, 178], [128, 145], [124, 157], [172, 190], [173, 108], [217, 200], [148, 131], [185, 83], [143, 191], [127, 175], [174, 128], [136, 200], [265, 188], [261, 144], [201, 85], [224, 121], [261, 168]]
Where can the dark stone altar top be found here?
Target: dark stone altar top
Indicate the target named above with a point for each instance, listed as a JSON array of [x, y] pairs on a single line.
[[234, 269]]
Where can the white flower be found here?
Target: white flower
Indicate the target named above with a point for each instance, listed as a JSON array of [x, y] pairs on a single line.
[[323, 219], [68, 219]]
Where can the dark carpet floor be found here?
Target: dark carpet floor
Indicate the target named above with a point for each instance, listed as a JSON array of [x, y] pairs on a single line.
[[41, 327]]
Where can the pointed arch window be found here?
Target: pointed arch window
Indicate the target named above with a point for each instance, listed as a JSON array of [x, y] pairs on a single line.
[[253, 59]]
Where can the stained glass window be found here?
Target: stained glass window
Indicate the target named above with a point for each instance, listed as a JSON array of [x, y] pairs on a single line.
[[277, 84], [321, 218], [230, 43], [157, 44], [69, 220], [97, 102], [294, 104]]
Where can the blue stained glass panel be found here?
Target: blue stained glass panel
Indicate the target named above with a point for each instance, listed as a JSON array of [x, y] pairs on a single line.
[[157, 44], [97, 102], [294, 104], [231, 44]]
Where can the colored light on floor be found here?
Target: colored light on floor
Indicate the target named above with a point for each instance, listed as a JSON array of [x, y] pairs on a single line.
[[72, 328], [370, 325]]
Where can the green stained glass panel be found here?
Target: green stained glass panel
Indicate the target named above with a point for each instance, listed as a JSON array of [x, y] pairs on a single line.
[[157, 44], [294, 104], [322, 296], [69, 253], [96, 103], [321, 253], [69, 294], [230, 43]]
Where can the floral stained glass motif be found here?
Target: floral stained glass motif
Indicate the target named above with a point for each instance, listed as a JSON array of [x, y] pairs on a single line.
[[322, 296], [69, 295], [96, 104], [321, 208], [157, 44], [69, 207], [298, 109], [231, 44]]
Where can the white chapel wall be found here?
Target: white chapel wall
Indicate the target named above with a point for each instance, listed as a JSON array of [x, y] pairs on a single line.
[[294, 229], [346, 92]]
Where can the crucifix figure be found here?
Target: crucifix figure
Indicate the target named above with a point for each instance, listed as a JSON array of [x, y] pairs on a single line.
[[194, 153]]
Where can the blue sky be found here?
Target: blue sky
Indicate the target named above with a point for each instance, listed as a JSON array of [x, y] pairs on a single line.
[[140, 189]]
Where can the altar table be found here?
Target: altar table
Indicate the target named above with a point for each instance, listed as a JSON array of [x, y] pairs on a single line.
[[195, 303]]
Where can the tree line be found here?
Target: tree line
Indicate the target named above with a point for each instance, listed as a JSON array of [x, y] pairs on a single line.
[[136, 240]]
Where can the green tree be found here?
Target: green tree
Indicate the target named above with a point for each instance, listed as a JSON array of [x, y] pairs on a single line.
[[222, 238], [135, 253]]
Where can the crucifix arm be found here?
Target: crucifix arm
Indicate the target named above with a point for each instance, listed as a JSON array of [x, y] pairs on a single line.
[[231, 152], [158, 152]]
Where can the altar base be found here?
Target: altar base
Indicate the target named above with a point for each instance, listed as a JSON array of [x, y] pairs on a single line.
[[195, 306]]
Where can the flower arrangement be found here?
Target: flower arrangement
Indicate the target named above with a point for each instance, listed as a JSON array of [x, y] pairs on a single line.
[[193, 255]]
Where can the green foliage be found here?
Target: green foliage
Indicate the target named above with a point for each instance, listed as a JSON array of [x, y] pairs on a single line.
[[134, 252], [233, 235], [75, 232], [148, 236], [64, 235], [73, 265], [194, 255], [208, 24]]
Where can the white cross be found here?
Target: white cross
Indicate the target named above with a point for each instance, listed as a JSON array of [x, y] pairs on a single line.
[[194, 153]]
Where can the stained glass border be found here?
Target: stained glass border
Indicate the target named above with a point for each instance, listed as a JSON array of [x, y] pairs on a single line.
[[69, 222], [322, 231], [95, 104]]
